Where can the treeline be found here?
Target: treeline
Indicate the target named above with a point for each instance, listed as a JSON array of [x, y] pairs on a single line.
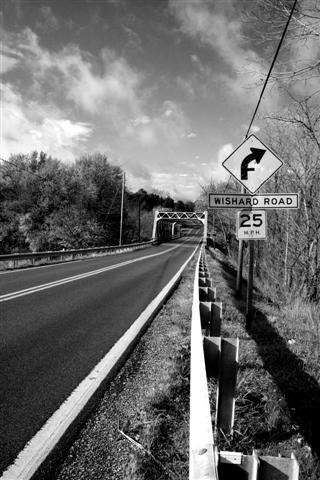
[[46, 204]]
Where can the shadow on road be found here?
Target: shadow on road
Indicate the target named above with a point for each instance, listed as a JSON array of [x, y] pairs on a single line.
[[300, 390]]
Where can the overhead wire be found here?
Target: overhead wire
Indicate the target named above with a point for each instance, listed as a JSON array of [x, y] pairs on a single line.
[[271, 67], [268, 76]]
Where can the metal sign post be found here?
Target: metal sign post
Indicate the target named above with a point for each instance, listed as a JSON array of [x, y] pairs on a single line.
[[250, 286]]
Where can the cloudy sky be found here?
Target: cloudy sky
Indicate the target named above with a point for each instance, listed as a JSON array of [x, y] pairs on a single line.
[[164, 87]]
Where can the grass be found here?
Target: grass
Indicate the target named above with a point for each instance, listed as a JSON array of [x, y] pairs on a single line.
[[162, 427], [278, 394]]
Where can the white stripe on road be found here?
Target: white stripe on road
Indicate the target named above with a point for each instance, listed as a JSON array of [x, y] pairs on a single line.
[[45, 286]]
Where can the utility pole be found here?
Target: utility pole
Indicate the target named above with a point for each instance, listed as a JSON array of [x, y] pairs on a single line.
[[121, 216], [139, 219]]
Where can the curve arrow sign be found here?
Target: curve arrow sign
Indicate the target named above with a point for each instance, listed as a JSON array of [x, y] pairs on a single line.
[[256, 154]]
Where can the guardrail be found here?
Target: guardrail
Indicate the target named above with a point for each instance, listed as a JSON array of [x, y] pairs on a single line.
[[214, 356], [202, 452], [14, 259]]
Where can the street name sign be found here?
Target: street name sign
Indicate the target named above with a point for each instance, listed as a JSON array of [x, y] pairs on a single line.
[[252, 163], [251, 225], [270, 200]]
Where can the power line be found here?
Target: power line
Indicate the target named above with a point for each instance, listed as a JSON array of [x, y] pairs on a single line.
[[114, 197], [268, 76], [271, 67]]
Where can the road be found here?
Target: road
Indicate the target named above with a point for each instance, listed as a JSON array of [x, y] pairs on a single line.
[[58, 321]]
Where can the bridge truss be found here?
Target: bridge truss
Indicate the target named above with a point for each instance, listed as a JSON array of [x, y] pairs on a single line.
[[181, 216]]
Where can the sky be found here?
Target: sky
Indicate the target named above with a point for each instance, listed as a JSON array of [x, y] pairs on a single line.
[[165, 88]]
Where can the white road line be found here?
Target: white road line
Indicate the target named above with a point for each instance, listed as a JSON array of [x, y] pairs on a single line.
[[45, 286], [44, 441]]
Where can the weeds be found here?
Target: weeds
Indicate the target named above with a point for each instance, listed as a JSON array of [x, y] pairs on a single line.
[[162, 427], [278, 393]]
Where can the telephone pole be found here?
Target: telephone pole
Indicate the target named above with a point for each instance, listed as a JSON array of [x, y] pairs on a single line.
[[122, 201]]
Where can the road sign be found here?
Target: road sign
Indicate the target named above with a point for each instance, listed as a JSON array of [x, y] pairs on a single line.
[[252, 163], [270, 200], [251, 225]]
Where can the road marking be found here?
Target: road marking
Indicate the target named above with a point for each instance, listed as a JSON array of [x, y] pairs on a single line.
[[45, 440], [45, 286]]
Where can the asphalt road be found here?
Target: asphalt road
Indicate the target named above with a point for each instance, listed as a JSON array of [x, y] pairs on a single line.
[[58, 321]]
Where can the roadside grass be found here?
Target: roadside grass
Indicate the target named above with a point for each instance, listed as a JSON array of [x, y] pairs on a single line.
[[161, 428], [278, 394]]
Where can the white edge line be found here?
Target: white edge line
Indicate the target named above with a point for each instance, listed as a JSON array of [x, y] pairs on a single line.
[[44, 441]]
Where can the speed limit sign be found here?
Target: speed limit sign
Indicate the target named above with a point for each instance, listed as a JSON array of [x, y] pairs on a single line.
[[251, 225]]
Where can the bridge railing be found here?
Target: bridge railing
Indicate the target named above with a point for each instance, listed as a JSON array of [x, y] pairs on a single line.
[[15, 260]]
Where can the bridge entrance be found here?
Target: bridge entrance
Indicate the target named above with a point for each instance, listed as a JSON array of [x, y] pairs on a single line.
[[174, 218]]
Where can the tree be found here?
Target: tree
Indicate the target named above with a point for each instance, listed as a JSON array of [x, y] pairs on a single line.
[[298, 60], [296, 138]]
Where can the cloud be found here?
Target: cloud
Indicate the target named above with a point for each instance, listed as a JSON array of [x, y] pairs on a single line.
[[224, 152], [31, 127], [167, 127], [253, 129], [47, 19], [102, 84], [172, 123], [7, 62], [219, 27], [214, 28], [181, 187], [218, 172], [141, 120], [187, 85], [107, 97]]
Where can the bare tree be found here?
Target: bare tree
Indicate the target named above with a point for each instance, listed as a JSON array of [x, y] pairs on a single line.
[[299, 57], [295, 240]]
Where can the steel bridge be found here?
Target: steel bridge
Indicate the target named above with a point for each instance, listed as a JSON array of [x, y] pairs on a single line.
[[174, 217]]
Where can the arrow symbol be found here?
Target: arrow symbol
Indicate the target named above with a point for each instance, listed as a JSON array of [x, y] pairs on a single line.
[[256, 154]]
